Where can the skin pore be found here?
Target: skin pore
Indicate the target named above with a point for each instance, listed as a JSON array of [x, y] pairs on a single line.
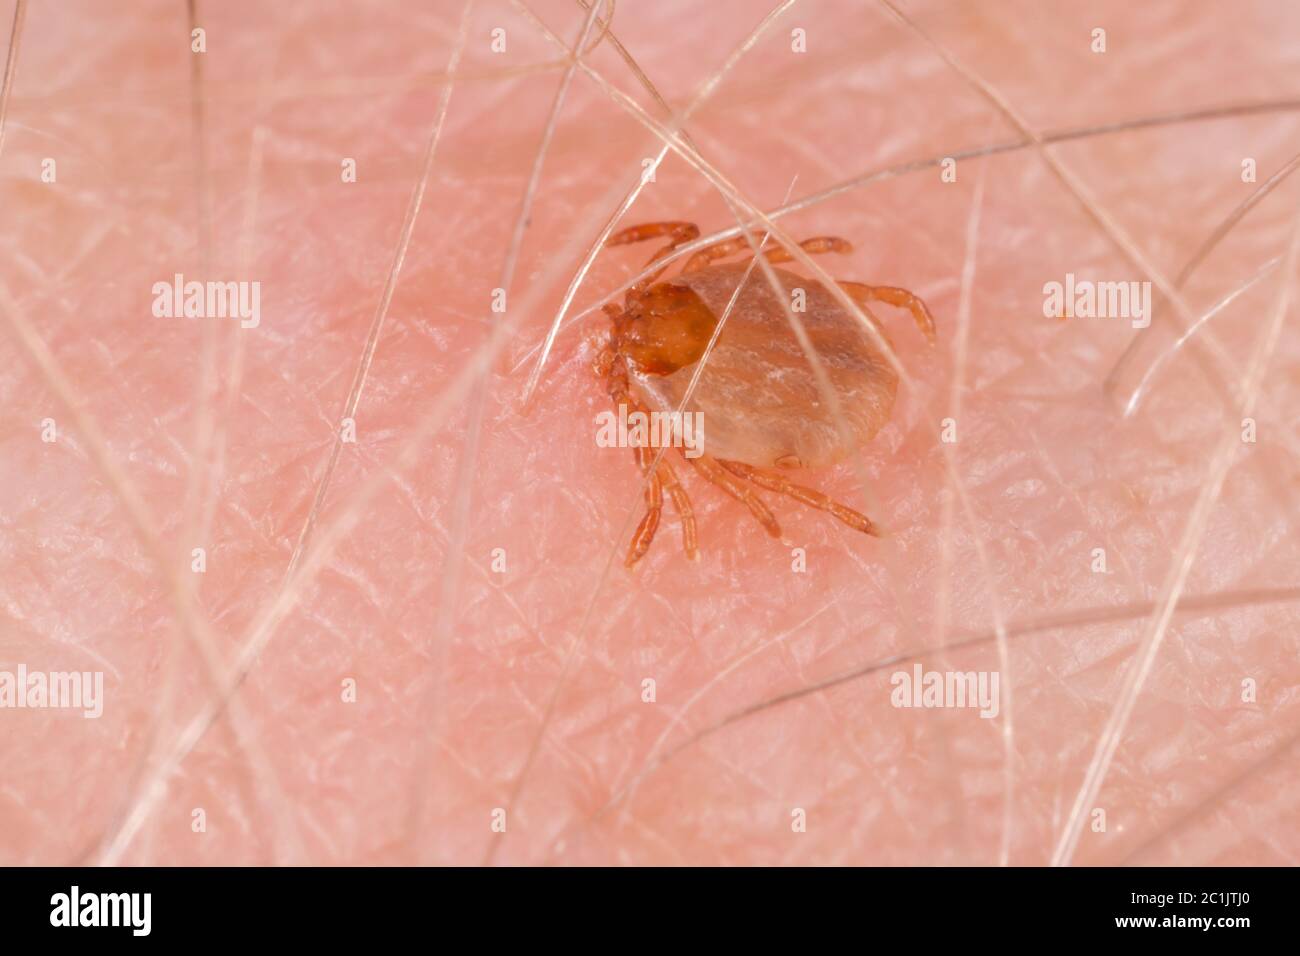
[[412, 627]]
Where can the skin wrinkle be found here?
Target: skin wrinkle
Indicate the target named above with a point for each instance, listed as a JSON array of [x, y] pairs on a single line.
[[1109, 742], [469, 455], [189, 623], [371, 342], [879, 784], [1215, 800], [1174, 585], [1207, 345], [1014, 630], [358, 383], [954, 475]]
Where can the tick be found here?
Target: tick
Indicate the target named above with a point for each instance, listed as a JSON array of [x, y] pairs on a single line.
[[762, 411]]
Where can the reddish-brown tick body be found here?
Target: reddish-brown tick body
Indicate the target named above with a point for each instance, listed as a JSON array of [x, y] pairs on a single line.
[[761, 404]]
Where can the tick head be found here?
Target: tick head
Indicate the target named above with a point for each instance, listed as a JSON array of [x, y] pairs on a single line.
[[665, 328]]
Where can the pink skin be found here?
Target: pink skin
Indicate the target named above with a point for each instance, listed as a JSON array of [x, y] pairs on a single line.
[[528, 694]]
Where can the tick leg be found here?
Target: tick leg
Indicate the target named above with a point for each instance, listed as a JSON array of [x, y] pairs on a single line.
[[682, 503], [808, 496], [616, 378], [730, 247], [719, 250], [814, 246], [664, 479], [651, 230], [654, 506], [710, 469], [891, 295], [679, 232]]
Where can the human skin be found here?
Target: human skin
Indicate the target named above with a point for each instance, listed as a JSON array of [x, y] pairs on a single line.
[[462, 567]]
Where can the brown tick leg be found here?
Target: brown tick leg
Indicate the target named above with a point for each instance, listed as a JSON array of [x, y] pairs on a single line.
[[808, 496], [679, 232], [682, 503], [709, 468], [709, 254], [650, 230], [730, 247], [664, 479], [890, 295], [654, 505], [815, 246], [615, 374]]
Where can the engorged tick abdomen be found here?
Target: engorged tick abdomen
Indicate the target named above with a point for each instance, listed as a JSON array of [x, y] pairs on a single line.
[[758, 394]]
